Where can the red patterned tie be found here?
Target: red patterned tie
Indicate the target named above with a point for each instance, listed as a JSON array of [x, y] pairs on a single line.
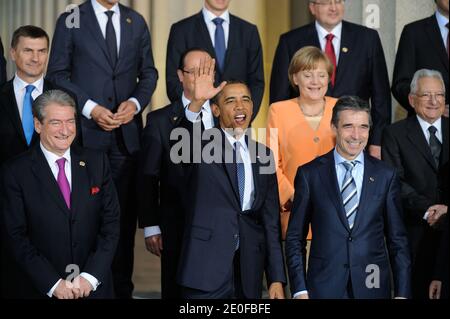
[[329, 51]]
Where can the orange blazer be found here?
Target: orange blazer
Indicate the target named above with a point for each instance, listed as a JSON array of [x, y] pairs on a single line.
[[295, 143]]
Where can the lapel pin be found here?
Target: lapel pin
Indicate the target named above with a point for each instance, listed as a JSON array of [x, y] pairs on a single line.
[[175, 118], [371, 179], [82, 163], [344, 49], [129, 20]]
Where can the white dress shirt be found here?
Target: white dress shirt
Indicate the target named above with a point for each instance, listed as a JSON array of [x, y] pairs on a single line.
[[337, 32], [20, 90], [442, 21], [102, 19], [51, 160], [209, 16]]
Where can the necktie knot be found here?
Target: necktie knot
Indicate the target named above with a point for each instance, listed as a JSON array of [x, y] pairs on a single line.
[[61, 163], [446, 25], [109, 13], [349, 165], [330, 37], [218, 21], [432, 130], [29, 89]]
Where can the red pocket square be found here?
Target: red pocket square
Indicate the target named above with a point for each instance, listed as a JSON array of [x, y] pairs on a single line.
[[94, 190]]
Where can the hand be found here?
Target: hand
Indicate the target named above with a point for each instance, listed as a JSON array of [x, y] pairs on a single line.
[[276, 291], [104, 118], [435, 289], [435, 213], [154, 244], [302, 296], [125, 112], [82, 287], [64, 290], [375, 151]]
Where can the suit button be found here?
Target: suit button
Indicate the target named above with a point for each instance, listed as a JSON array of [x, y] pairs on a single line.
[[350, 239], [110, 99]]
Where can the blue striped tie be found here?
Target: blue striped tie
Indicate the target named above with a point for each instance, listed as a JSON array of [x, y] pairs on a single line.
[[219, 42], [349, 194], [27, 114], [240, 172]]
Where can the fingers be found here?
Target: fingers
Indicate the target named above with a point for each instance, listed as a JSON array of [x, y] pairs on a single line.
[[154, 245]]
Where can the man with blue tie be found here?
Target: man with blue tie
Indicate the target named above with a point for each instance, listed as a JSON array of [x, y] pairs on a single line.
[[107, 61], [352, 202], [232, 230]]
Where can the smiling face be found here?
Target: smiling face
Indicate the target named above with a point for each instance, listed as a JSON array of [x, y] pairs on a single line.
[[429, 100], [312, 84], [234, 107], [30, 56], [58, 128], [352, 133], [328, 15]]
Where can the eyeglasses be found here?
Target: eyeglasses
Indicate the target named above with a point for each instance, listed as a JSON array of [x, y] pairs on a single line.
[[427, 96], [328, 2]]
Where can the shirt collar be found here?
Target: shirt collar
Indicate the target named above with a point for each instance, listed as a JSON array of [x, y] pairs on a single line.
[[52, 157], [209, 16], [232, 140], [205, 107], [21, 84], [441, 19], [338, 159], [425, 125], [337, 31], [98, 8]]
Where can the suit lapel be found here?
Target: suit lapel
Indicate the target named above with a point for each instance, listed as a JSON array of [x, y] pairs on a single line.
[[177, 113], [435, 37], [80, 181], [444, 155], [418, 140], [330, 182], [125, 32], [347, 41], [44, 174], [232, 39], [12, 110], [253, 151], [203, 33]]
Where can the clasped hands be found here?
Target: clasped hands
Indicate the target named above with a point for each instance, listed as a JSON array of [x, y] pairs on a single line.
[[435, 213], [109, 121], [78, 288]]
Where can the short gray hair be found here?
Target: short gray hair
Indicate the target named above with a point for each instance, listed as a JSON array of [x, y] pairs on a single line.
[[48, 97], [425, 73]]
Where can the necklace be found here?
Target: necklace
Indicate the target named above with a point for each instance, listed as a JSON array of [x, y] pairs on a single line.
[[312, 115]]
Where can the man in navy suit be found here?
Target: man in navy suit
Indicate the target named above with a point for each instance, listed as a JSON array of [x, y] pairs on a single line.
[[232, 231], [234, 43], [359, 58], [423, 45], [60, 210], [352, 202], [107, 62], [2, 65]]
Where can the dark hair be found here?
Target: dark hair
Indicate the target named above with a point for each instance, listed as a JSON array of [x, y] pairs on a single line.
[[185, 53], [48, 97], [352, 103], [28, 31], [215, 99]]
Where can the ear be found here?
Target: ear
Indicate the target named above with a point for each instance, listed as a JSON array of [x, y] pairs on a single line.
[[215, 109], [37, 125], [180, 75], [411, 100], [334, 129], [12, 53], [312, 9]]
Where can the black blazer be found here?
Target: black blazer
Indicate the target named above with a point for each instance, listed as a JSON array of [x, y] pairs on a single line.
[[361, 70], [420, 47], [44, 236], [214, 217], [2, 65], [243, 59]]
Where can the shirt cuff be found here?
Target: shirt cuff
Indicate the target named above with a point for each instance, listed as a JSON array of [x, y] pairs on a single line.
[[50, 293], [138, 105], [426, 215], [92, 280], [192, 116], [88, 107], [151, 231], [302, 292]]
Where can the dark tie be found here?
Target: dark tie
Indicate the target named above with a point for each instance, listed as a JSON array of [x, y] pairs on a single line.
[[240, 172], [27, 114], [200, 117], [63, 183], [329, 51], [435, 145], [349, 194], [219, 42], [111, 40]]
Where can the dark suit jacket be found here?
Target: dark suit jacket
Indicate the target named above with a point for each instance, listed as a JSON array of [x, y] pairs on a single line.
[[420, 47], [361, 70], [337, 253], [214, 217], [243, 59], [44, 236], [79, 62], [2, 65]]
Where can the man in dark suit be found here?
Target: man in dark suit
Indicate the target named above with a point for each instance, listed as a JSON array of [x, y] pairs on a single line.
[[357, 53], [423, 45], [160, 209], [108, 63], [234, 43], [232, 231], [60, 210], [352, 202], [417, 147], [2, 65]]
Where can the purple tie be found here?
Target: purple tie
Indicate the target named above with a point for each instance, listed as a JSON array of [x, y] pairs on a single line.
[[63, 183]]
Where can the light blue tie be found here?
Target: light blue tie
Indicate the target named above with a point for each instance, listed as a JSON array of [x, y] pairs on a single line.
[[27, 114], [219, 42], [349, 194]]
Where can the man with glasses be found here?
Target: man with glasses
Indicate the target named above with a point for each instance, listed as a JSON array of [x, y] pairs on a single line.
[[418, 148], [357, 54], [423, 44]]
